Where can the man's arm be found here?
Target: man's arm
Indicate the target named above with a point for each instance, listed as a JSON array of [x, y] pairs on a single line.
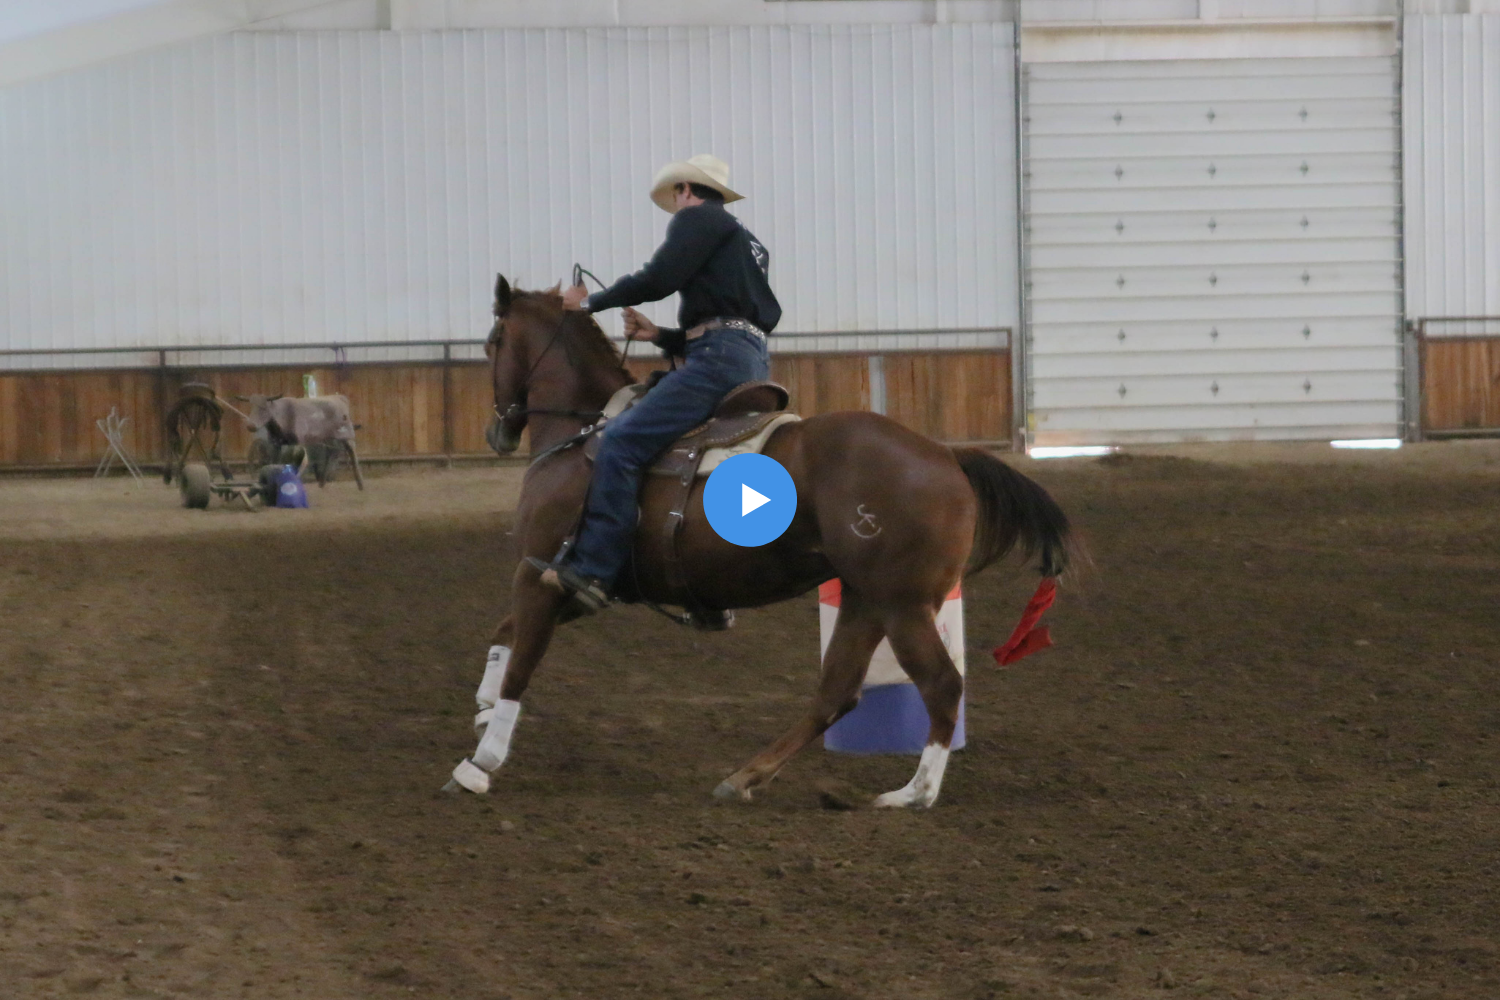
[[668, 338], [692, 237]]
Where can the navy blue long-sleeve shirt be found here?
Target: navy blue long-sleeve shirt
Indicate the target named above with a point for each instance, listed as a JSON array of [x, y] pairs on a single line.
[[716, 265]]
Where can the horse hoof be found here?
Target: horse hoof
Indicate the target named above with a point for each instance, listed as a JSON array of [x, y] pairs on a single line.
[[467, 776], [730, 793], [901, 799], [452, 787]]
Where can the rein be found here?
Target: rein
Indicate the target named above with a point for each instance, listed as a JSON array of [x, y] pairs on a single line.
[[578, 272], [567, 443]]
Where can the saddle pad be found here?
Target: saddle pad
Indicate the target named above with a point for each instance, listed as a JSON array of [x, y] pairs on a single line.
[[750, 446], [741, 435], [623, 400]]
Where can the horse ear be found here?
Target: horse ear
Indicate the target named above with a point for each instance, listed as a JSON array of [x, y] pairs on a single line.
[[502, 295]]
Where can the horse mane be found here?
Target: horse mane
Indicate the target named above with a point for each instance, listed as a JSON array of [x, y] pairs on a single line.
[[587, 338]]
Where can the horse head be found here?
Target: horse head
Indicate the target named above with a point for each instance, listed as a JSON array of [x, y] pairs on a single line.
[[544, 358], [504, 348]]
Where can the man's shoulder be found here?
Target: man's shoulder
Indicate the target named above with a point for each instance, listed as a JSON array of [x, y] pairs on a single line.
[[709, 216]]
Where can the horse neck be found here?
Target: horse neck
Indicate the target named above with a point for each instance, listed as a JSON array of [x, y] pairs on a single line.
[[559, 385]]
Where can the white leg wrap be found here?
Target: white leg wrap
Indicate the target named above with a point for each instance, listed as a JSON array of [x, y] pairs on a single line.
[[489, 687], [494, 673], [922, 790], [495, 746], [471, 777]]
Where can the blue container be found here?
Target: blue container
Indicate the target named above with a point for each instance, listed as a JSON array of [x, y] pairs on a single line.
[[890, 718], [289, 489]]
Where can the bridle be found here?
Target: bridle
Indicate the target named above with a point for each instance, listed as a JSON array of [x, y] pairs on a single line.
[[518, 410]]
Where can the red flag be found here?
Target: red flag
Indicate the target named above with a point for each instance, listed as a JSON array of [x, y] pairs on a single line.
[[1027, 638]]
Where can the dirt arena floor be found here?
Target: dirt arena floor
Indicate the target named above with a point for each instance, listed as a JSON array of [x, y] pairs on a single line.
[[1261, 761]]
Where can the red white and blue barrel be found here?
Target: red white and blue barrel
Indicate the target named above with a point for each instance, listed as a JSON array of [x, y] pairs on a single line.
[[891, 717]]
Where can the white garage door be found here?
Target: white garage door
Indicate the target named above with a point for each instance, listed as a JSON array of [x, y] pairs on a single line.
[[1213, 250]]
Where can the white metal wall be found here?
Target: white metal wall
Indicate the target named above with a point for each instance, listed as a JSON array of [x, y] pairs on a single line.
[[1451, 95], [274, 188], [1213, 250]]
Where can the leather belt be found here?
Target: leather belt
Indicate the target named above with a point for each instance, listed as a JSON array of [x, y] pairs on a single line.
[[724, 322]]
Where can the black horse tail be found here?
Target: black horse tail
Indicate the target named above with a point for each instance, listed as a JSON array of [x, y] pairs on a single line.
[[1013, 508]]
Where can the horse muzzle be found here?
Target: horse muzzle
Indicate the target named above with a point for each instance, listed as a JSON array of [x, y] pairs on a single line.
[[501, 436]]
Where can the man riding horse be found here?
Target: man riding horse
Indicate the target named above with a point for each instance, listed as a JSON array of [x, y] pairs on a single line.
[[727, 310]]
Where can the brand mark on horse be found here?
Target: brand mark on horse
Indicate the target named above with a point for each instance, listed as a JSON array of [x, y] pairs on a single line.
[[865, 527]]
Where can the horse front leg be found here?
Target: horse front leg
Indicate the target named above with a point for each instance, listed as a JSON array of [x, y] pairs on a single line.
[[494, 673], [530, 625]]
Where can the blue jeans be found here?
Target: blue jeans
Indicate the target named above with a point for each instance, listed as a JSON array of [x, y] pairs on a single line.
[[716, 363]]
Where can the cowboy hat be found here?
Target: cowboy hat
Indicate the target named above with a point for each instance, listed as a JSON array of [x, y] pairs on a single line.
[[710, 171]]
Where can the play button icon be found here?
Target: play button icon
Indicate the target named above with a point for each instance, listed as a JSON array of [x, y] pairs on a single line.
[[750, 500]]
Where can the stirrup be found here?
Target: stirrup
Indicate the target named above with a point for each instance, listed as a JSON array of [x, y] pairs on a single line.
[[711, 621], [589, 595]]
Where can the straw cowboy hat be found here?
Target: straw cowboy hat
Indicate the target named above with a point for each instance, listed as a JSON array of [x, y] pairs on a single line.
[[710, 171]]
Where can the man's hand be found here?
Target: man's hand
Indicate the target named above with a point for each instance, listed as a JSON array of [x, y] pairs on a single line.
[[573, 297], [638, 327]]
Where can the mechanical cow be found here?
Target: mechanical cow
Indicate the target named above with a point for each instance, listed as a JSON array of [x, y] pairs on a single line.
[[315, 422]]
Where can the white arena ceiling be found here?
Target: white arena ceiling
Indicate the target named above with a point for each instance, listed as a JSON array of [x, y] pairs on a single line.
[[42, 37]]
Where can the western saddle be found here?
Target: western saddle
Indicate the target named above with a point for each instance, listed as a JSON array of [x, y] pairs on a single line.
[[743, 421]]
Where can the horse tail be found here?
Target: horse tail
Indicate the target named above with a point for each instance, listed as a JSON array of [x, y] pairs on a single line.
[[1014, 508]]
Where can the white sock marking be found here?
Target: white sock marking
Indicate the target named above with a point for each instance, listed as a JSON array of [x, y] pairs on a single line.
[[922, 790]]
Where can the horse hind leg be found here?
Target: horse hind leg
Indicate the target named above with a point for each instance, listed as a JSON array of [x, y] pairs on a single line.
[[920, 651], [855, 635]]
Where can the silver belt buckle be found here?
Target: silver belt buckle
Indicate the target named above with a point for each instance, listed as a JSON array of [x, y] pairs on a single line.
[[725, 323], [745, 325]]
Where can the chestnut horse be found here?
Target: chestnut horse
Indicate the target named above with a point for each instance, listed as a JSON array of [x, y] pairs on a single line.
[[899, 518]]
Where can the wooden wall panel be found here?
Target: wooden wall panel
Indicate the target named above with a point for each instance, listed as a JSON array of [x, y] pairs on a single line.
[[950, 397], [822, 383], [471, 400], [399, 408], [1461, 384], [10, 423], [47, 418]]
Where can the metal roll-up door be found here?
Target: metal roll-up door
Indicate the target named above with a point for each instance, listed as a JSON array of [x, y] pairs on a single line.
[[1213, 250]]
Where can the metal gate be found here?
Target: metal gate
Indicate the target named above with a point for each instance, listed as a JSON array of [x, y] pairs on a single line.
[[1213, 250]]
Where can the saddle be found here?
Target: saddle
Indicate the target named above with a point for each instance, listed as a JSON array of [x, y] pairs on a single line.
[[741, 424]]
